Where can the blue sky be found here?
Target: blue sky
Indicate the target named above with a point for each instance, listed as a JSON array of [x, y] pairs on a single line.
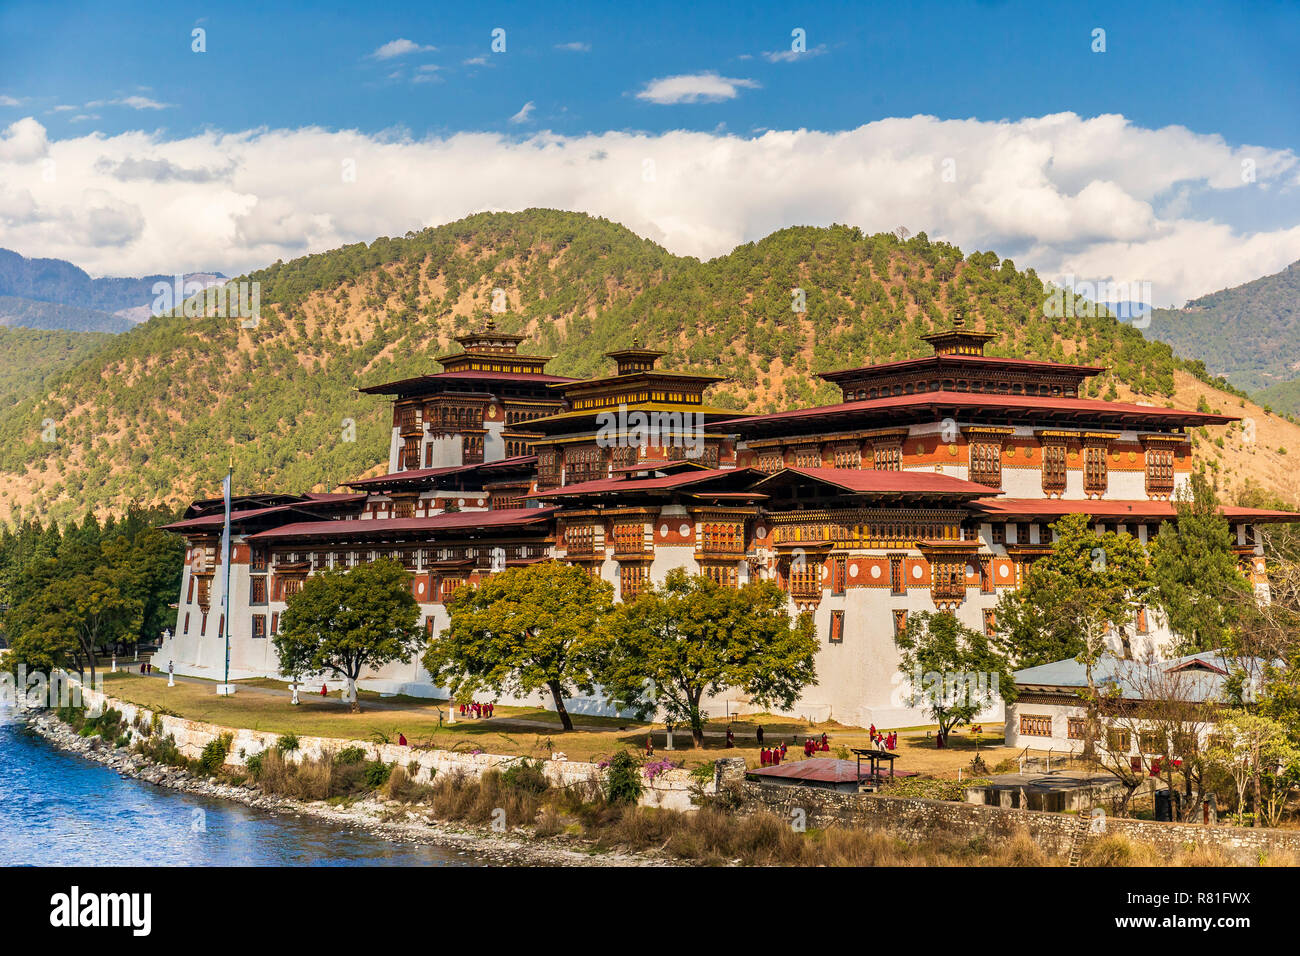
[[1214, 68], [1174, 154]]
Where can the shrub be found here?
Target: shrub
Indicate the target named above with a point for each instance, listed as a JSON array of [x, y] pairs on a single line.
[[287, 743], [526, 776], [349, 755], [214, 754], [254, 764], [377, 774], [623, 782]]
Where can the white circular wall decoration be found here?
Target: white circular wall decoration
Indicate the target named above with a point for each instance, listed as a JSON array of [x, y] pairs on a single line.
[[853, 571], [460, 502], [420, 587], [760, 533], [663, 531], [480, 502], [917, 572], [875, 570], [684, 530], [1003, 571], [970, 570]]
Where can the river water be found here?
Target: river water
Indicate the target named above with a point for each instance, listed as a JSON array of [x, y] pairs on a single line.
[[60, 809]]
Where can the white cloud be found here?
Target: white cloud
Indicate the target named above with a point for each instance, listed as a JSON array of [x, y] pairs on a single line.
[[400, 47], [135, 102], [6, 100], [575, 47], [1100, 198], [23, 142], [694, 88], [523, 114], [794, 56]]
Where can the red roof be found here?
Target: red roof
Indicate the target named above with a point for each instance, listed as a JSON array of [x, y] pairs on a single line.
[[943, 399], [1116, 510], [865, 371], [454, 521], [433, 378], [822, 770], [416, 474], [666, 483], [868, 481]]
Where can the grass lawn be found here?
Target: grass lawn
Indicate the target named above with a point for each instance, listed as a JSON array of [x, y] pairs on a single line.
[[506, 733]]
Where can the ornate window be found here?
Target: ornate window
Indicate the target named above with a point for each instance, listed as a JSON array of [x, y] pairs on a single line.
[[1094, 469], [808, 456], [986, 463], [1160, 471], [411, 452], [896, 583], [948, 579], [900, 621], [837, 627], [806, 579], [1035, 725], [629, 538], [632, 580], [848, 456], [725, 575], [1076, 727], [990, 622], [259, 627], [548, 468], [887, 457], [1054, 467], [257, 591], [770, 462], [584, 464], [580, 539], [839, 574]]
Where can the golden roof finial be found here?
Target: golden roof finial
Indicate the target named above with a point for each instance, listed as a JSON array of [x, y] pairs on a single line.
[[959, 317]]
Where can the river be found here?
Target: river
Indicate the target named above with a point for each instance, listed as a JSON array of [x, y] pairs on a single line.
[[60, 809]]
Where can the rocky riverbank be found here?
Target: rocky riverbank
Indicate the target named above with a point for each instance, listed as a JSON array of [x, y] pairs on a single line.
[[390, 820]]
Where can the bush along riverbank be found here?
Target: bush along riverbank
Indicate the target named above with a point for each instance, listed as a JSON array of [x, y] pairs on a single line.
[[518, 814]]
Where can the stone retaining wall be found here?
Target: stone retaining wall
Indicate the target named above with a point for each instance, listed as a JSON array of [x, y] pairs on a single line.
[[917, 819], [670, 789]]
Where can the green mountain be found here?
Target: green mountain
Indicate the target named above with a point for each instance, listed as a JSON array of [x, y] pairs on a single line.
[[35, 314], [1249, 334], [30, 357], [155, 413]]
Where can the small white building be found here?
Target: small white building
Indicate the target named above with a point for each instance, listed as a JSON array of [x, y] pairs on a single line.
[[1050, 713]]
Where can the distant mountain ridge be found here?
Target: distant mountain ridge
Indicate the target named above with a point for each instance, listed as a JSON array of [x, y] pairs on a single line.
[[54, 294], [156, 414], [1249, 334]]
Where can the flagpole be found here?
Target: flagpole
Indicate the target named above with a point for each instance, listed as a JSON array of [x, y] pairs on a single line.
[[225, 557]]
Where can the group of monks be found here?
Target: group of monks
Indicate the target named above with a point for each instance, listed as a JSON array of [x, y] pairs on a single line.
[[146, 668], [771, 756], [812, 745], [475, 709], [883, 741]]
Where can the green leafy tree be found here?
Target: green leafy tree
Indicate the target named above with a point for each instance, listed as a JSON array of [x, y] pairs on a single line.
[[1195, 578], [692, 637], [347, 621], [951, 671], [524, 630], [1072, 598]]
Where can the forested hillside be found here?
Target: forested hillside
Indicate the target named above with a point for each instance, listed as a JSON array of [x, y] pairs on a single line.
[[1249, 334], [29, 357], [156, 412]]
